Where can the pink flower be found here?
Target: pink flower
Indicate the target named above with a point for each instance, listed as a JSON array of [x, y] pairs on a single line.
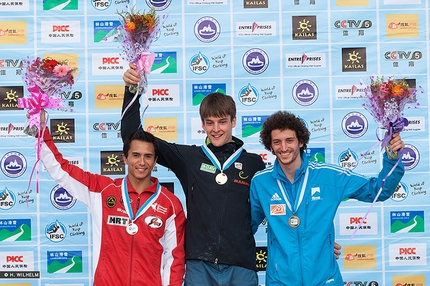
[[61, 70]]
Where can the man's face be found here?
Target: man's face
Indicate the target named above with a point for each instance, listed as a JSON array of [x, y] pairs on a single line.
[[286, 147], [140, 160], [219, 129]]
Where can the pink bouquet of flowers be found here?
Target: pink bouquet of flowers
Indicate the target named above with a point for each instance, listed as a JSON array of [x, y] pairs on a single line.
[[45, 79], [385, 100], [136, 33]]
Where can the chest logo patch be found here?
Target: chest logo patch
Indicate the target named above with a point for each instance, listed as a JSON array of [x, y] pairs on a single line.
[[154, 221], [279, 209]]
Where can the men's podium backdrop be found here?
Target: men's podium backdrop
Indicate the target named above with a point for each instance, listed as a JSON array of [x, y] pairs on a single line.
[[311, 57]]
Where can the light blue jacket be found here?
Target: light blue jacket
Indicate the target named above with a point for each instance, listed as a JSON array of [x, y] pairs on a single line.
[[304, 255]]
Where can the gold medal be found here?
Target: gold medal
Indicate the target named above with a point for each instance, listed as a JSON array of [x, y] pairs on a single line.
[[221, 179], [294, 221]]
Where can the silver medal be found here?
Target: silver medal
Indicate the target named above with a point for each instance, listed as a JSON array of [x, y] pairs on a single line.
[[221, 179], [132, 228]]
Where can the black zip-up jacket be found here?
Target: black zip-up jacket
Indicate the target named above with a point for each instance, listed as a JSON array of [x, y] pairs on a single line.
[[218, 228]]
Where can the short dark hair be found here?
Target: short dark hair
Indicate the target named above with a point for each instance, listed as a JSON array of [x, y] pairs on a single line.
[[283, 120], [141, 136], [217, 104]]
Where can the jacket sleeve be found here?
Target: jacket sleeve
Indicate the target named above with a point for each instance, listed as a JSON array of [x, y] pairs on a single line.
[[173, 263], [389, 178], [130, 119], [75, 180], [257, 214]]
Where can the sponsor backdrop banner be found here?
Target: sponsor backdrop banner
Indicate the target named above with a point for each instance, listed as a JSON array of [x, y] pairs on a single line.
[[306, 56]]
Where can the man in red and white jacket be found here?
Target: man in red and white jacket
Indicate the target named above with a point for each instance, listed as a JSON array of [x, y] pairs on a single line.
[[138, 225]]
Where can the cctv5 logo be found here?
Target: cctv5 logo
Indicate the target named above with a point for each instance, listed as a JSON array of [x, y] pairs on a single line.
[[60, 28], [14, 258], [160, 91], [357, 220], [110, 60], [408, 250]]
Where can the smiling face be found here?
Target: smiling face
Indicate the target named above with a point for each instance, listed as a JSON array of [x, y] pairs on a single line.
[[286, 147], [219, 129], [140, 160]]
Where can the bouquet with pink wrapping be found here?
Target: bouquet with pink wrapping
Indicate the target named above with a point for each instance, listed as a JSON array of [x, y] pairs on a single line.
[[45, 79]]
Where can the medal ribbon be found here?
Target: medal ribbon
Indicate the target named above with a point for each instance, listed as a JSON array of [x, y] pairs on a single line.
[[298, 199], [215, 161], [144, 207]]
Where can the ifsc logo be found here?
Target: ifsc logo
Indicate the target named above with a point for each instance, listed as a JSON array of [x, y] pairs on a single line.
[[7, 199], [199, 64], [101, 4], [248, 95], [348, 159], [56, 231]]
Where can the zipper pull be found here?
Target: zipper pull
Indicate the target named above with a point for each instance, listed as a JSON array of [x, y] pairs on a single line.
[[216, 261]]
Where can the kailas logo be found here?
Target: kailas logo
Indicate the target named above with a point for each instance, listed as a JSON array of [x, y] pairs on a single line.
[[13, 164], [49, 5], [67, 261], [199, 64], [207, 29], [304, 28], [275, 197], [61, 199], [7, 199], [56, 231], [248, 95], [15, 229], [9, 97], [348, 159], [354, 124], [261, 257], [255, 4], [101, 4], [63, 130], [410, 157], [401, 193], [111, 163], [352, 24], [305, 92], [158, 5], [354, 59], [407, 221], [255, 61]]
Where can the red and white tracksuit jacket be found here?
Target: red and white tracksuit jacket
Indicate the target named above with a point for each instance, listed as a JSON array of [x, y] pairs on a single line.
[[154, 255]]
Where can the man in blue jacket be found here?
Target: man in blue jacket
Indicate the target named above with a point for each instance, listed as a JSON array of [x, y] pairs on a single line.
[[300, 200]]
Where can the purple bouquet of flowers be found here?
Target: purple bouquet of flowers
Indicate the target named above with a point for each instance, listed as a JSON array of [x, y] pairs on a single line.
[[385, 100]]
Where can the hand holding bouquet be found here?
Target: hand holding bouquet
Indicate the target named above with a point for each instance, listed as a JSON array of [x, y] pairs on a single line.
[[137, 32], [45, 78]]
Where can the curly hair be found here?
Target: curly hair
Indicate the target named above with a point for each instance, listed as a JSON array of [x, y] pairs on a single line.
[[283, 120]]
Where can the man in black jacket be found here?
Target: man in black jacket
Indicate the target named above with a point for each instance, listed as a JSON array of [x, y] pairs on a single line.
[[219, 245]]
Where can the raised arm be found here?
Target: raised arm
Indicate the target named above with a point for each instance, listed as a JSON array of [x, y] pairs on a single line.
[[130, 120]]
